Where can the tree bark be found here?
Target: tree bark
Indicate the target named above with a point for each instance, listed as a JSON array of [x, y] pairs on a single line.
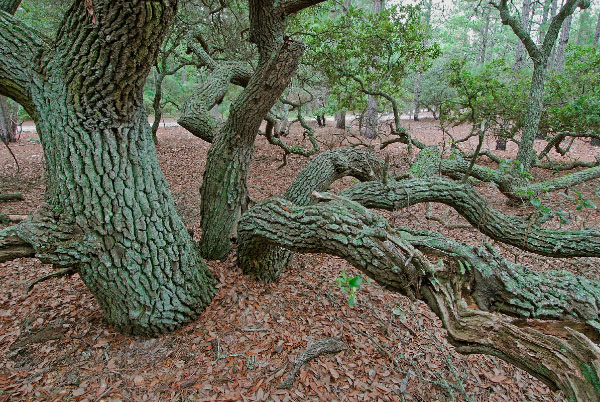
[[266, 264], [8, 121], [340, 119], [559, 63], [417, 96], [108, 210], [484, 36], [371, 116], [224, 189], [554, 336], [521, 233], [526, 152], [519, 57], [543, 27], [553, 12], [597, 34]]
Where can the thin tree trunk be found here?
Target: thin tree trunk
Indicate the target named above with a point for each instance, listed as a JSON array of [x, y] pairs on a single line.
[[418, 79], [543, 27], [417, 96], [597, 34], [520, 55], [340, 120], [156, 104], [559, 63], [583, 18], [285, 119], [553, 11], [526, 153], [484, 36], [8, 121], [372, 112]]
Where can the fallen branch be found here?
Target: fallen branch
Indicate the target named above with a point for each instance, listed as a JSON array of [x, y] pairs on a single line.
[[314, 349]]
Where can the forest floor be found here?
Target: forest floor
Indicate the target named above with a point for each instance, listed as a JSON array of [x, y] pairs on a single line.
[[54, 344]]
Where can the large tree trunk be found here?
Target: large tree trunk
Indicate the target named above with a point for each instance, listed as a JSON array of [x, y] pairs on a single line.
[[108, 210]]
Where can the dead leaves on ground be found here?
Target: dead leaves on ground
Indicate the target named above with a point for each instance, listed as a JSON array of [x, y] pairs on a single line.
[[246, 341]]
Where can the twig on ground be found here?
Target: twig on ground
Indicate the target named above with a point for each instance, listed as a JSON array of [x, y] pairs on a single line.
[[314, 349], [61, 272]]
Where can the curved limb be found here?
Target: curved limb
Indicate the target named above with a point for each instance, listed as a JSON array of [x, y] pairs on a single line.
[[320, 173], [517, 232], [562, 351]]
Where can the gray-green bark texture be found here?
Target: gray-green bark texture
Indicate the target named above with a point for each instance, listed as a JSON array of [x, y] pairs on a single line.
[[539, 55], [108, 210], [267, 263], [521, 233], [224, 188], [8, 120], [546, 323]]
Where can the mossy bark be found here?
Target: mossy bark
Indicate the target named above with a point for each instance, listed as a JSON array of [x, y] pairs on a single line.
[[487, 304], [224, 188], [108, 210], [267, 263]]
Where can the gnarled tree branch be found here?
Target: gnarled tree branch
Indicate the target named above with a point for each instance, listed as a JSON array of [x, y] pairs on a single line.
[[320, 173], [517, 232], [562, 352], [20, 45]]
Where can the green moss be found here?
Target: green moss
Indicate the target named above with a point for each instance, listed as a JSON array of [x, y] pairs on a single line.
[[591, 375]]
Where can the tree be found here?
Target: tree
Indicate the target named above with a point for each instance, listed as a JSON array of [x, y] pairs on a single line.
[[366, 56], [109, 216], [559, 63], [371, 115], [525, 23], [108, 213], [418, 79], [8, 120], [597, 33], [539, 56], [224, 190]]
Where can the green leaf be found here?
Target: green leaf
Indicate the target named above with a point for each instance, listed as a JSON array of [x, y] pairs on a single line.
[[355, 282]]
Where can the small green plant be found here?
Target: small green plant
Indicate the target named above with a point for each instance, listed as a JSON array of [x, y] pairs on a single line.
[[350, 285]]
